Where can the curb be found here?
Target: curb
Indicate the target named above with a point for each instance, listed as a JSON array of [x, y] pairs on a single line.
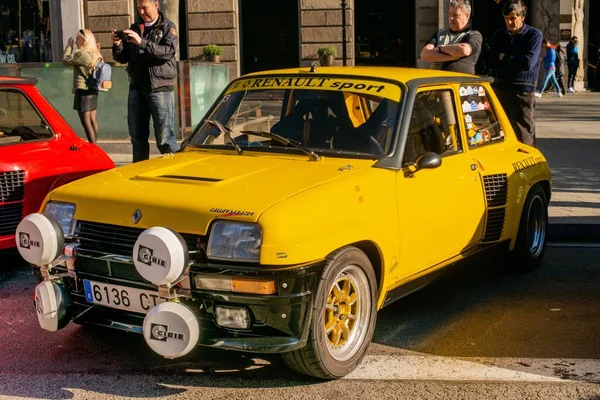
[[573, 233]]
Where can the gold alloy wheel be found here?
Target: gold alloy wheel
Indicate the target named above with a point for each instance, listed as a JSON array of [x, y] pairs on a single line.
[[347, 313]]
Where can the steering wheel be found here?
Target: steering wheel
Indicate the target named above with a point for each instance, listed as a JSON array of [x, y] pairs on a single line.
[[25, 132], [374, 146], [242, 140]]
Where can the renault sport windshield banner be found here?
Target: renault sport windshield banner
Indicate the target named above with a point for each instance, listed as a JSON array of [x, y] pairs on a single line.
[[381, 89]]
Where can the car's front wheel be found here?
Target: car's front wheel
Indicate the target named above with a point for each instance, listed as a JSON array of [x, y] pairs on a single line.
[[531, 238], [343, 319]]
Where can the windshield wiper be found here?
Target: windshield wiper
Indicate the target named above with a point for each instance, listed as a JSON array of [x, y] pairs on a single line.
[[313, 156], [225, 131]]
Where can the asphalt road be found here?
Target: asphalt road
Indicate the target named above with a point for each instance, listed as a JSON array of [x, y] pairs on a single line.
[[477, 333]]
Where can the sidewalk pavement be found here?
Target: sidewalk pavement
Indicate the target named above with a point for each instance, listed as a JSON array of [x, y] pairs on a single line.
[[568, 133]]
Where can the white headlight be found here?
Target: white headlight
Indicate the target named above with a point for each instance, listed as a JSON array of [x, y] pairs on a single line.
[[64, 213], [235, 241]]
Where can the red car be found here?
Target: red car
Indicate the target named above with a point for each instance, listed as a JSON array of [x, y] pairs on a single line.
[[38, 152]]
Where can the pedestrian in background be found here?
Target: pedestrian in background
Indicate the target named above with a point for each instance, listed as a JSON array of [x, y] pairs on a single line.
[[514, 58], [550, 68], [83, 60], [572, 62], [560, 67], [457, 48], [148, 50]]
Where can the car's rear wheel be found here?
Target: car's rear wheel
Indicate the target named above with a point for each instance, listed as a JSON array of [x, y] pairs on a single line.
[[343, 318], [530, 245]]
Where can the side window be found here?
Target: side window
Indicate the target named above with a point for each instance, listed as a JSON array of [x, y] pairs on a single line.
[[19, 120], [433, 126], [481, 122]]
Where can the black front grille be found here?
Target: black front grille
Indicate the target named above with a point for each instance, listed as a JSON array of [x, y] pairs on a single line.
[[494, 225], [110, 269], [10, 216], [11, 186], [496, 189], [119, 240]]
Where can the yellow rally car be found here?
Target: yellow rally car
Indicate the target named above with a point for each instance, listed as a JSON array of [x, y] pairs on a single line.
[[304, 201]]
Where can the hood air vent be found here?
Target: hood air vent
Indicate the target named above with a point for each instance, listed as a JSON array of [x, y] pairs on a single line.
[[191, 178]]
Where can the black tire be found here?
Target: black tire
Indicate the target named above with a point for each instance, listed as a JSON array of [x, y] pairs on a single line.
[[320, 358], [530, 245]]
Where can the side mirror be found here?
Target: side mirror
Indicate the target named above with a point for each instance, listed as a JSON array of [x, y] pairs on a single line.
[[428, 160]]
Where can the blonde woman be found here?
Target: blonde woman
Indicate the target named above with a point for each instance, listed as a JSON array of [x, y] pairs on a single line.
[[84, 60]]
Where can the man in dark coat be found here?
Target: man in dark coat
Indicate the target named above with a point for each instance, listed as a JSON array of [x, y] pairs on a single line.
[[514, 57], [149, 51]]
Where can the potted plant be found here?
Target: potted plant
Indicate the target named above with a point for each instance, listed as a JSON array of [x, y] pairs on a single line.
[[326, 55], [212, 52]]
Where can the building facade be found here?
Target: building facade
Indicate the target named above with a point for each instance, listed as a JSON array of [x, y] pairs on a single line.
[[264, 34]]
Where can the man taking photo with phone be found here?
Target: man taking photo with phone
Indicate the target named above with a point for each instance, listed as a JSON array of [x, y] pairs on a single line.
[[149, 52]]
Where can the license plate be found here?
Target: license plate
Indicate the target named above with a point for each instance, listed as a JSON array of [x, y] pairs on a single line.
[[121, 297]]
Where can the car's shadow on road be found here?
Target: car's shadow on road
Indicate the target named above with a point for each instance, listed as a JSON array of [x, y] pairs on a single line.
[[483, 309]]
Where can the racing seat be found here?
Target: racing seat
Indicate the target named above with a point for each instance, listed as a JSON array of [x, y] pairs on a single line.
[[309, 123]]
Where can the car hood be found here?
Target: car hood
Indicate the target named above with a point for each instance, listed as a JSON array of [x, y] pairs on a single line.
[[188, 190]]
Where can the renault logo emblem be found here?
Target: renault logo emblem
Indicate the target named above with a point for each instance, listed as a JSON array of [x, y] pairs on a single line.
[[137, 215]]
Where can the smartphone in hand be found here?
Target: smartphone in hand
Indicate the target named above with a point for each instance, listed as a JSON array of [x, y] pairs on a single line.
[[122, 35]]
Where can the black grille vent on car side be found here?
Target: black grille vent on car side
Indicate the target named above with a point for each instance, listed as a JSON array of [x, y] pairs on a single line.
[[496, 189], [11, 186], [119, 240], [496, 195], [10, 216], [494, 225]]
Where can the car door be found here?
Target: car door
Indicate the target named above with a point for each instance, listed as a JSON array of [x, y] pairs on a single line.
[[441, 209]]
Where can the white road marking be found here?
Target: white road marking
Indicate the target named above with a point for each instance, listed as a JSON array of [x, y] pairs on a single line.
[[377, 367]]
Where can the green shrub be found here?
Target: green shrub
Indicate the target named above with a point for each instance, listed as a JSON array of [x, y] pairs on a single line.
[[212, 50], [327, 51]]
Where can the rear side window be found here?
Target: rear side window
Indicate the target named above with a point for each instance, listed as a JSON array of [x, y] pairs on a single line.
[[19, 120], [480, 120]]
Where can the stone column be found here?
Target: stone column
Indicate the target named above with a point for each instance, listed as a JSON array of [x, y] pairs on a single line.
[[103, 16], [215, 22], [546, 17], [430, 16], [70, 13], [170, 9], [579, 29], [321, 25]]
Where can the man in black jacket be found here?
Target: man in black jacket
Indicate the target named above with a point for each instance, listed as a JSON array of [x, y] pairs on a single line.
[[149, 51]]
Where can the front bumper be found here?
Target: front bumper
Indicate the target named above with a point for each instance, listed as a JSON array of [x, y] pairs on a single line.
[[278, 323]]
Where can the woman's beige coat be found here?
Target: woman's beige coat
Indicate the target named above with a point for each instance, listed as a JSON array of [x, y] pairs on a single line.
[[82, 63]]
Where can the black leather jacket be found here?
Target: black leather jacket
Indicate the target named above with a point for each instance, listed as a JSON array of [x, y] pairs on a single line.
[[159, 50]]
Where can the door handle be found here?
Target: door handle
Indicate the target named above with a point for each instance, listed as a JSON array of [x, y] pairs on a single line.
[[473, 167]]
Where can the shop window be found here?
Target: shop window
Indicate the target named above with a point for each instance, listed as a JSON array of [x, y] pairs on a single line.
[[25, 31]]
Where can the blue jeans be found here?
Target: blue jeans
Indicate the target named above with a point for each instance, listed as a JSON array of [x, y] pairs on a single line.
[[550, 75], [159, 105]]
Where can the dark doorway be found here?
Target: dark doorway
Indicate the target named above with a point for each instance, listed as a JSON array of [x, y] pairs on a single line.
[[384, 32], [487, 18], [269, 35]]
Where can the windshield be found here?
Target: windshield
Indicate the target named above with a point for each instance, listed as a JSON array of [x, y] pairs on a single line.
[[325, 115]]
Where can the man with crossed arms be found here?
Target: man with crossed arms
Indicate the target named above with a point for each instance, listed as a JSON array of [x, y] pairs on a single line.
[[457, 48]]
